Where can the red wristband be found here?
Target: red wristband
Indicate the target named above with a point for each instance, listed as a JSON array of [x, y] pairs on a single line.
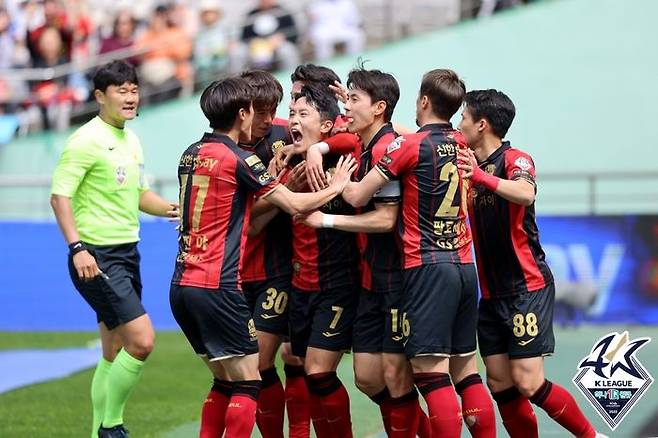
[[484, 179]]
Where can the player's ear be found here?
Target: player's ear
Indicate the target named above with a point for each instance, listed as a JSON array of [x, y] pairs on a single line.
[[99, 96], [482, 125], [326, 126], [380, 107]]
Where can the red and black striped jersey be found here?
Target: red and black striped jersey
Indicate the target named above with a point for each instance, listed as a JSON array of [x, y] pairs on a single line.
[[268, 255], [510, 259], [432, 225], [325, 258], [217, 181], [380, 254]]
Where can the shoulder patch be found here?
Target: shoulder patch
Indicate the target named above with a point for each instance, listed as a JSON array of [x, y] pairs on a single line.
[[394, 145], [277, 145], [523, 163]]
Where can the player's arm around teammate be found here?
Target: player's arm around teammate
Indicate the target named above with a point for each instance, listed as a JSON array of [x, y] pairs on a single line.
[[515, 324], [99, 188]]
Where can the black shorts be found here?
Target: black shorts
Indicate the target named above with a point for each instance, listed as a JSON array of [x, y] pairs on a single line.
[[216, 322], [322, 319], [268, 302], [378, 324], [115, 295], [519, 325], [440, 310]]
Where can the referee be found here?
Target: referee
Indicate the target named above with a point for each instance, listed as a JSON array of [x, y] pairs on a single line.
[[98, 190]]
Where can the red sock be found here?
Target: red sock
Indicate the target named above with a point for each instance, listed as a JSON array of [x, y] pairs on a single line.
[[477, 408], [405, 415], [271, 405], [241, 411], [334, 400], [320, 423], [562, 407], [441, 398], [424, 426], [214, 410], [383, 400], [297, 402], [517, 414]]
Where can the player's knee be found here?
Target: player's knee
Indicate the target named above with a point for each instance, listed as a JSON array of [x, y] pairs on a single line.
[[496, 385], [526, 385], [366, 384], [393, 373], [141, 347]]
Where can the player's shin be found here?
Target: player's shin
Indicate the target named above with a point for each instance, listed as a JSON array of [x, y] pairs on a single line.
[[477, 408], [297, 402], [517, 414], [241, 411], [98, 394], [271, 405], [441, 398], [214, 409], [327, 390], [562, 407]]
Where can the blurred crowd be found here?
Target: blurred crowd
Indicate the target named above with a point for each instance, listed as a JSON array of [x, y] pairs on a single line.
[[48, 48]]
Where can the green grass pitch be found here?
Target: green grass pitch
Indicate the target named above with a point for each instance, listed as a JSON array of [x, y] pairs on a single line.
[[167, 401]]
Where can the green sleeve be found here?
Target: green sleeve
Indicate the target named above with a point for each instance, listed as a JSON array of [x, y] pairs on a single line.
[[143, 180], [76, 160]]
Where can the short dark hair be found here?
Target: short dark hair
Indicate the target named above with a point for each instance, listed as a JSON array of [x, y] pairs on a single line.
[[314, 74], [222, 100], [445, 91], [114, 73], [494, 106], [267, 91], [378, 85], [323, 101]]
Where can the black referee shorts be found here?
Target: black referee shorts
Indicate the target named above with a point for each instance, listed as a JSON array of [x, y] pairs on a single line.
[[116, 295]]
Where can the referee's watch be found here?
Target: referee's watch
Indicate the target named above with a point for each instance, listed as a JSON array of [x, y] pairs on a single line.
[[77, 247]]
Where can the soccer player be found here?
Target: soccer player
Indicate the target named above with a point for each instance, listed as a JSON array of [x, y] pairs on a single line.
[[381, 369], [266, 275], [439, 279], [325, 276], [98, 190], [515, 327], [218, 182]]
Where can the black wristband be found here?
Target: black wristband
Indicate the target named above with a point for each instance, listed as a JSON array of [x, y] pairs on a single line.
[[76, 247]]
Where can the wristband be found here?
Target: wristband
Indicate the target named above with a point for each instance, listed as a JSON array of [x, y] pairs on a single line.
[[323, 147], [484, 179], [328, 220], [77, 247]]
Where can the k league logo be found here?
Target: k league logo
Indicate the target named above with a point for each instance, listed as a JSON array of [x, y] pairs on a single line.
[[612, 378]]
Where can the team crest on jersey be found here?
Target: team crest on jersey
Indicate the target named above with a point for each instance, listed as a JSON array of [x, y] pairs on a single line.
[[612, 378], [490, 168], [277, 145], [121, 175], [395, 145], [523, 163]]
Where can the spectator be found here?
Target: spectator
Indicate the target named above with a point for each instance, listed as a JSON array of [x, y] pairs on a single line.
[[269, 38], [123, 35], [333, 22], [54, 97], [166, 67], [211, 43], [54, 18]]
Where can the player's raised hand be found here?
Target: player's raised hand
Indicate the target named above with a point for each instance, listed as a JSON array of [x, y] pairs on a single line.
[[85, 265], [341, 91], [466, 162], [296, 181], [344, 168], [314, 173], [281, 158]]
